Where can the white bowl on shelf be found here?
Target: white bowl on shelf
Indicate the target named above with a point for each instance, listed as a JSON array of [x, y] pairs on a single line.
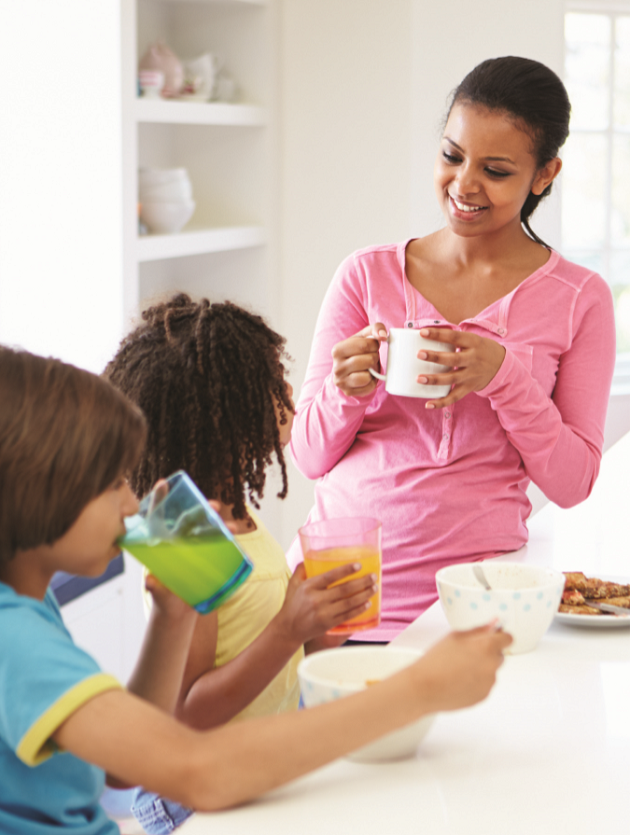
[[524, 598], [335, 673], [174, 192], [148, 177], [166, 218]]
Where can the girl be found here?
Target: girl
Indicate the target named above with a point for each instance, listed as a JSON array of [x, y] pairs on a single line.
[[66, 440], [533, 350], [211, 382]]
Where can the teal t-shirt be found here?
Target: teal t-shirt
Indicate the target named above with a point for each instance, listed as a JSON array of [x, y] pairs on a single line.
[[44, 678]]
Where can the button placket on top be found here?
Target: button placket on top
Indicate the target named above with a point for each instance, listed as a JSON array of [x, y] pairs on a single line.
[[412, 321], [447, 413]]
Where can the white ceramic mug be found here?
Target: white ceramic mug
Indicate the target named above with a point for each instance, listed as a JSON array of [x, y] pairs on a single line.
[[403, 365]]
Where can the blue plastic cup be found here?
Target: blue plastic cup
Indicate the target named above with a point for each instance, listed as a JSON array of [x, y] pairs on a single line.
[[186, 545]]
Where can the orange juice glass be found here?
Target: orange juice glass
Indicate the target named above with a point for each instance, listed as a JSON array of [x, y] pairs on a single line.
[[333, 542]]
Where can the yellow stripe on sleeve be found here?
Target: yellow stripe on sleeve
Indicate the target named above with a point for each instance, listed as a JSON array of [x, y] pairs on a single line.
[[36, 745]]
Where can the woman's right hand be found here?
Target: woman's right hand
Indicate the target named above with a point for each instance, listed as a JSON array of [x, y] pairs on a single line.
[[353, 358], [313, 606]]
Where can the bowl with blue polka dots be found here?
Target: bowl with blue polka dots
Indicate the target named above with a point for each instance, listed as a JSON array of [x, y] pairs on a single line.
[[523, 598], [336, 673]]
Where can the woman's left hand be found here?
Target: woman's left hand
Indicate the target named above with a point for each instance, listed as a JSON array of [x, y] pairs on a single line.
[[474, 364]]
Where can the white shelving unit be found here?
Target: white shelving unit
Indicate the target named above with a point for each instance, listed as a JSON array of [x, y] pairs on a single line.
[[193, 113], [228, 248], [198, 242]]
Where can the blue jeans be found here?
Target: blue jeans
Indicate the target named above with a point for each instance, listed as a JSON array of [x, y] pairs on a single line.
[[157, 815]]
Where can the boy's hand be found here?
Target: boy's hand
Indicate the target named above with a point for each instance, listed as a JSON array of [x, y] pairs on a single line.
[[311, 607], [460, 670], [166, 603]]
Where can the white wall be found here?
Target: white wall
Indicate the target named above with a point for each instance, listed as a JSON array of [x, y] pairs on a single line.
[[364, 87], [449, 39], [61, 290], [60, 176], [345, 144]]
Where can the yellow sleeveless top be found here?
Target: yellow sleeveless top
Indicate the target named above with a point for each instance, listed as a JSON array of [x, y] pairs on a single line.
[[249, 610]]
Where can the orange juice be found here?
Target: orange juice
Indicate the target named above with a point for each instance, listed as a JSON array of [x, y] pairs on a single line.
[[318, 562]]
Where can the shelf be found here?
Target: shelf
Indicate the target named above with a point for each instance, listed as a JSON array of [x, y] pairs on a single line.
[[220, 2], [199, 113], [199, 242]]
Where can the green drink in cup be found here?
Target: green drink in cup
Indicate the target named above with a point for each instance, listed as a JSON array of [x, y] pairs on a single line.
[[186, 545]]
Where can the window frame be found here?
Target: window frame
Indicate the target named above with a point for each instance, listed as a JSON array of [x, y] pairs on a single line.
[[612, 9]]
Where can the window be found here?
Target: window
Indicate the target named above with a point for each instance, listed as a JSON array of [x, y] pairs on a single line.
[[596, 173]]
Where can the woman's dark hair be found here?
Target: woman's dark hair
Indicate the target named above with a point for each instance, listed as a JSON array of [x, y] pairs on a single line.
[[65, 436], [207, 377], [531, 94]]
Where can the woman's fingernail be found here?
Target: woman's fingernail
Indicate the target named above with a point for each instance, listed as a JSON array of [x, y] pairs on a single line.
[[423, 379], [424, 332], [357, 566], [374, 578], [430, 406], [367, 605], [422, 355]]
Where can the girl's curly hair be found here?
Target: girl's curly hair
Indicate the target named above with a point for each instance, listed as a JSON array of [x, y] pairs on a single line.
[[207, 377]]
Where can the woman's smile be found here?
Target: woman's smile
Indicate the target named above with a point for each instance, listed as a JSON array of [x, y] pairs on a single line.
[[465, 211]]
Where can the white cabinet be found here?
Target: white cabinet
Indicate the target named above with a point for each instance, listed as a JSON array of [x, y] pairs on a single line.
[[227, 250]]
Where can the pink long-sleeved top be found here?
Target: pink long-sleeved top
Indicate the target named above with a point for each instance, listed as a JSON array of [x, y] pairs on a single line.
[[449, 484]]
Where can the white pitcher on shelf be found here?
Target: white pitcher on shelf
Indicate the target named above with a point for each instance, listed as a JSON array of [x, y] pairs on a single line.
[[200, 77]]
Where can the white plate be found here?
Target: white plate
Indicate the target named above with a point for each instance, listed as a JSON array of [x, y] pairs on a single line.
[[597, 621]]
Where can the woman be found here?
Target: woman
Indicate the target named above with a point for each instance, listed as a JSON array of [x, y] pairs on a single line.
[[532, 358]]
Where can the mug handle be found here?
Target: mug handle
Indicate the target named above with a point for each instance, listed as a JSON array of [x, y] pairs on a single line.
[[377, 374]]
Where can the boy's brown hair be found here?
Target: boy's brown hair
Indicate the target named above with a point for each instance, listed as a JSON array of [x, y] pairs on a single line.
[[206, 377], [65, 436]]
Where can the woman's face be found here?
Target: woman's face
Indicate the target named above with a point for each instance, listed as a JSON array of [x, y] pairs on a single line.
[[485, 170]]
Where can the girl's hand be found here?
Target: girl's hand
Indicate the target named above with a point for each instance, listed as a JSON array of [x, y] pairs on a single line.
[[474, 364], [354, 356], [311, 607]]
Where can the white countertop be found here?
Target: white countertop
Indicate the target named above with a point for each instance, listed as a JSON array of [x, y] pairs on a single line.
[[547, 752]]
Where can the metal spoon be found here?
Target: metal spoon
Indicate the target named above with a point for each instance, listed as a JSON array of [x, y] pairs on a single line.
[[480, 576]]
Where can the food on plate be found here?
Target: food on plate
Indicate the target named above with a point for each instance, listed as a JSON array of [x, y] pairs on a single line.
[[572, 597], [624, 602], [578, 610], [579, 589]]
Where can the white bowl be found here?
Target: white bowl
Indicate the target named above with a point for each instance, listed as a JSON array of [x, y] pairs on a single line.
[[334, 673], [167, 217], [523, 597], [174, 192], [160, 176]]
